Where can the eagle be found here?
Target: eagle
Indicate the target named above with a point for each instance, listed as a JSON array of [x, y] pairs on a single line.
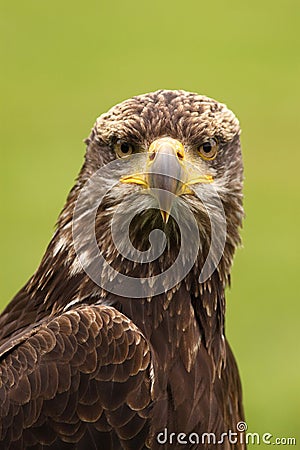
[[118, 339]]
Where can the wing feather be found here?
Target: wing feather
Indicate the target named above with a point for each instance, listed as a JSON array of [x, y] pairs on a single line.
[[81, 376]]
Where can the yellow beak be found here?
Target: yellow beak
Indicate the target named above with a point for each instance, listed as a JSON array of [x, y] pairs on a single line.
[[166, 174]]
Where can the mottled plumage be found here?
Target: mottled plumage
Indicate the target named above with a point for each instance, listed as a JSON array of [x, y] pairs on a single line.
[[82, 367]]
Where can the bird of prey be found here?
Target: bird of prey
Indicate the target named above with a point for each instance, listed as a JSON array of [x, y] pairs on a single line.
[[118, 341]]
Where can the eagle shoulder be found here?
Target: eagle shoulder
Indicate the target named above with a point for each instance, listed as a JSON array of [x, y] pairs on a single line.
[[83, 375]]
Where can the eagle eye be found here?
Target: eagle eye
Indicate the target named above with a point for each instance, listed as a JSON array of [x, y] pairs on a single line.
[[123, 149], [208, 150]]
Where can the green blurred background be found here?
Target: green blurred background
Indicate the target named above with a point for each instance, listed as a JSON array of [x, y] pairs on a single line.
[[64, 63]]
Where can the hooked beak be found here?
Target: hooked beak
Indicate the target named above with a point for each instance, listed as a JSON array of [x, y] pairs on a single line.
[[166, 174]]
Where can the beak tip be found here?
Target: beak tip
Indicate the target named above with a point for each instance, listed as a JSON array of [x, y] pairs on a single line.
[[165, 216]]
